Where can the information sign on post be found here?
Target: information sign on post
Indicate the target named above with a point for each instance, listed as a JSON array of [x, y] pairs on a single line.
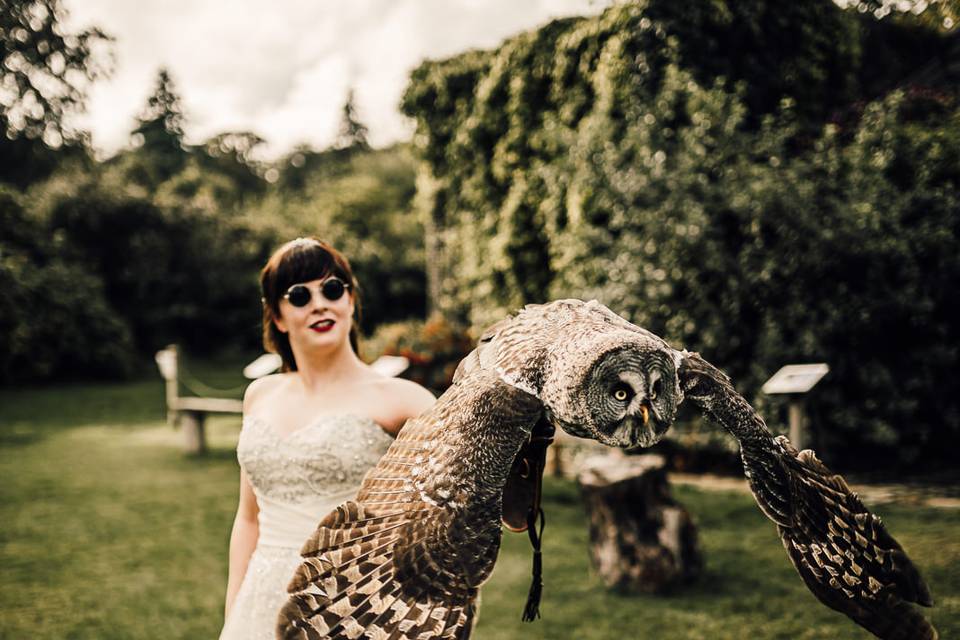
[[796, 380]]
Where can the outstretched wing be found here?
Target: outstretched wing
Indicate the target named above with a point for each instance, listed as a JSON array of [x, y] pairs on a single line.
[[406, 557], [845, 555], [842, 551]]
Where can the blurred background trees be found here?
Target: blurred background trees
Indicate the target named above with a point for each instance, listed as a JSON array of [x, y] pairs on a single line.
[[765, 184], [44, 73], [761, 182], [103, 262]]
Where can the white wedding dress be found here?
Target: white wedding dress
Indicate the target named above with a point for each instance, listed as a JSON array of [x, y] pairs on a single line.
[[297, 478]]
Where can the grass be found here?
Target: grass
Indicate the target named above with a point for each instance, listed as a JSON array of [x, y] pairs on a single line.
[[108, 531]]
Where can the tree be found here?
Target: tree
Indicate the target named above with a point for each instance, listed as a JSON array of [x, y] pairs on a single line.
[[230, 155], [44, 73], [171, 272], [159, 132], [684, 168], [69, 334], [353, 133], [238, 145]]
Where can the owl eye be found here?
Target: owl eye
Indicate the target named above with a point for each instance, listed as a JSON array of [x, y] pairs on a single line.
[[622, 392]]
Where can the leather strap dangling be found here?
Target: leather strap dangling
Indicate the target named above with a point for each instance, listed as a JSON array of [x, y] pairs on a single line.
[[536, 459], [531, 610]]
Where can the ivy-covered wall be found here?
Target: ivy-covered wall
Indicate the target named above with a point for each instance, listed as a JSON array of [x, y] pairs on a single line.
[[724, 176]]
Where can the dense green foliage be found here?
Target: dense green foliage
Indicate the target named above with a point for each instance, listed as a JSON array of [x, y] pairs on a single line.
[[714, 172], [173, 273], [98, 273], [55, 318], [105, 518]]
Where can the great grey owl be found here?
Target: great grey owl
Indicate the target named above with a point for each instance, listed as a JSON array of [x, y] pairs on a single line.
[[406, 558]]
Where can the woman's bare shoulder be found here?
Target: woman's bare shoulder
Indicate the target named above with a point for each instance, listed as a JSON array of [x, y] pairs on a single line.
[[415, 396], [262, 387], [401, 399]]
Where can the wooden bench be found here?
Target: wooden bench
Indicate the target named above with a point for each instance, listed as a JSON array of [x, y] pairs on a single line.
[[189, 413]]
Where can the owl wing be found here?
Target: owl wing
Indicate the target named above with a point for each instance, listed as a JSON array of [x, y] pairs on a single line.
[[405, 559], [843, 553]]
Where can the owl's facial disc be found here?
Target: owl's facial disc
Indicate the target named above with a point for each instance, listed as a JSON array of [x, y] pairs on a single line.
[[631, 397]]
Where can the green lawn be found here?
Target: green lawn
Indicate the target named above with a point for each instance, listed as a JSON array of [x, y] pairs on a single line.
[[108, 531]]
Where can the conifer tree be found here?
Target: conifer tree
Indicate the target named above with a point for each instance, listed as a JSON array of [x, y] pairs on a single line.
[[353, 133], [159, 131]]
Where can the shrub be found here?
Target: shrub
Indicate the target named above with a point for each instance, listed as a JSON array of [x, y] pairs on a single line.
[[605, 158], [173, 273], [55, 321], [434, 349]]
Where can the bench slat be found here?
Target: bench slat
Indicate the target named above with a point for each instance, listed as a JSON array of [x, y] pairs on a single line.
[[215, 405]]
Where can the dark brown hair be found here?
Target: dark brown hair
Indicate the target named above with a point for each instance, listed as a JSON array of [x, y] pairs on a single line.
[[302, 260]]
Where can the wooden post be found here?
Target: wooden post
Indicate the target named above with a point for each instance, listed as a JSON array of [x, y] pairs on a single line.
[[796, 380], [173, 386], [554, 465], [797, 420], [563, 453], [191, 422], [167, 361]]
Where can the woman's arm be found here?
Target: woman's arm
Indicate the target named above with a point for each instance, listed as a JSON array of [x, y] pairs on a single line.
[[246, 527], [243, 539]]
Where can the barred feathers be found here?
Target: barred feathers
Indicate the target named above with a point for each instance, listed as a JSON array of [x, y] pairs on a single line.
[[406, 558], [845, 555], [842, 551], [347, 586]]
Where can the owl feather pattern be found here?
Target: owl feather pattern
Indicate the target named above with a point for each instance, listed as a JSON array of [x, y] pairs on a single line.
[[842, 552], [406, 558]]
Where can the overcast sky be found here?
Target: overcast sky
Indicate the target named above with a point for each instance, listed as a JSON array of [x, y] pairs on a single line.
[[282, 69]]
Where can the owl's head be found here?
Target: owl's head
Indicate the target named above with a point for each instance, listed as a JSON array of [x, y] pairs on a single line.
[[597, 375], [619, 389]]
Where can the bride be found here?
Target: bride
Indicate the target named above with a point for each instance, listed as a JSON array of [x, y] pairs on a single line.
[[309, 434]]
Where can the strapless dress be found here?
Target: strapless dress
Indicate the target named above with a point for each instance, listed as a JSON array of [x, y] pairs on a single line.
[[297, 478]]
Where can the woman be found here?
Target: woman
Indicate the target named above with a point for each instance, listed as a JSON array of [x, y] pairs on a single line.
[[310, 433]]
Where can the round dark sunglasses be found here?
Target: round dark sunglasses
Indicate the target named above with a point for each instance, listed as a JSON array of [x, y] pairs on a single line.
[[332, 289]]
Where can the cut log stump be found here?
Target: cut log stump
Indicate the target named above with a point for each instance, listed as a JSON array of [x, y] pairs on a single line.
[[641, 539]]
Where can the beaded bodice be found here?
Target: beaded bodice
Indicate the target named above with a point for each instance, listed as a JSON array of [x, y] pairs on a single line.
[[299, 477]]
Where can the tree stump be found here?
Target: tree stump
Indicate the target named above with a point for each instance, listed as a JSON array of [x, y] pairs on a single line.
[[641, 539]]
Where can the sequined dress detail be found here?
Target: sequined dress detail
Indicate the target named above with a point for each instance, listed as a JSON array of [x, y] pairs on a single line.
[[297, 478]]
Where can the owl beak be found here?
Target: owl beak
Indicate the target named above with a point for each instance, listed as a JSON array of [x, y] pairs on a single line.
[[645, 412]]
